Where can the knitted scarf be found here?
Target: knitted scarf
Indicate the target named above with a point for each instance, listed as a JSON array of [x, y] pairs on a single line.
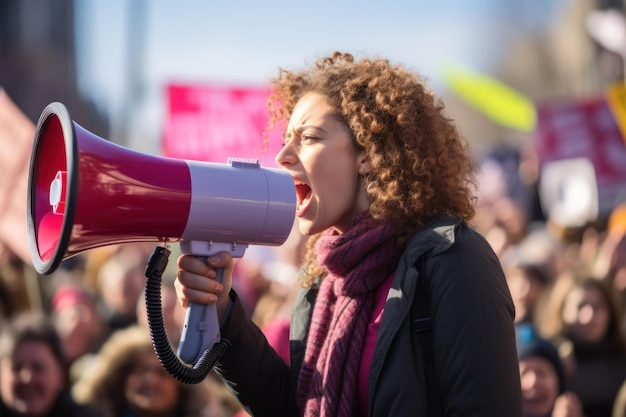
[[358, 262]]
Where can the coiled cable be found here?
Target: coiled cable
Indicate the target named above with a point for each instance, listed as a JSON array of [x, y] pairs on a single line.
[[172, 364]]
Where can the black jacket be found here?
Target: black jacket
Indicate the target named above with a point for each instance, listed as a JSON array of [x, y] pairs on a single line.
[[471, 329]]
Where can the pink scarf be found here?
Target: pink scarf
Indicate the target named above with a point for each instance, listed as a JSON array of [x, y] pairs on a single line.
[[357, 261]]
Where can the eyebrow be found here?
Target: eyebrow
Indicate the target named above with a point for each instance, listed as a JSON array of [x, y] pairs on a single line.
[[302, 128], [299, 130]]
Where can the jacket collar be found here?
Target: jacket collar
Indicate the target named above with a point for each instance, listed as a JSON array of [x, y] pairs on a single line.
[[436, 236]]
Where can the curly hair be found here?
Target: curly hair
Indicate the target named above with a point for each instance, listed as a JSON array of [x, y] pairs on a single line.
[[102, 385], [421, 166]]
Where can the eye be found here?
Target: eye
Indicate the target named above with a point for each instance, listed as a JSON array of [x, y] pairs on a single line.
[[309, 137]]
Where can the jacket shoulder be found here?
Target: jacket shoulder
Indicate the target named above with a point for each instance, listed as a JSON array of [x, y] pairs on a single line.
[[438, 235]]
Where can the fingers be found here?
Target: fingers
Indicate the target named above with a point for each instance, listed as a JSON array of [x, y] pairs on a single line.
[[567, 405], [196, 288], [197, 266], [195, 279]]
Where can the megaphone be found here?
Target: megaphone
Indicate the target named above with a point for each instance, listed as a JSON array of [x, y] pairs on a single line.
[[86, 192]]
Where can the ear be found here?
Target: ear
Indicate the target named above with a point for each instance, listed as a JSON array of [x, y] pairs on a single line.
[[365, 165]]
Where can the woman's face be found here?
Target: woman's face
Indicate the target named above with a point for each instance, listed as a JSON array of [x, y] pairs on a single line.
[[586, 314], [31, 380], [326, 167], [525, 292], [540, 386], [149, 388]]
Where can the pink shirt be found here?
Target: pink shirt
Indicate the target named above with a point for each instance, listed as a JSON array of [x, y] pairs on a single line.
[[370, 342]]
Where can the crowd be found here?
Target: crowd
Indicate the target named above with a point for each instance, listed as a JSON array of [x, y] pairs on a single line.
[[88, 350], [89, 347], [78, 343], [567, 285]]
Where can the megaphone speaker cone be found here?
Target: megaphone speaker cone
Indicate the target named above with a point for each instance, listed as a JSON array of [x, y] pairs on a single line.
[[86, 192], [54, 152]]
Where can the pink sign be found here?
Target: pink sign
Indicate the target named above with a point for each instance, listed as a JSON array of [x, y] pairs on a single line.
[[17, 134], [211, 124], [585, 128]]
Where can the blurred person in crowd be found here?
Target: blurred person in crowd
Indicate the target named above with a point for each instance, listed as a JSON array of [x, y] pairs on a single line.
[[610, 263], [584, 319], [120, 283], [617, 272], [619, 407], [272, 312], [528, 283], [127, 380], [385, 186], [248, 278], [6, 303], [543, 378], [541, 247], [33, 377], [79, 324], [501, 216], [15, 276]]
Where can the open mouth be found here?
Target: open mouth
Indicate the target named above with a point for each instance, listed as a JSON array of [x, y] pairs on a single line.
[[303, 194]]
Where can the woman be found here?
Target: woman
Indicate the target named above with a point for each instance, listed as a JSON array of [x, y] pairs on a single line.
[[33, 376], [528, 283], [384, 186], [583, 317], [127, 380]]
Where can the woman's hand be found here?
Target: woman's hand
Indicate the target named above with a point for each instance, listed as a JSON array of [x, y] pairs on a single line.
[[195, 281], [567, 405]]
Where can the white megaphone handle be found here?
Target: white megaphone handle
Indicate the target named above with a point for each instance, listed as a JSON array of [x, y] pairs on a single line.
[[201, 329]]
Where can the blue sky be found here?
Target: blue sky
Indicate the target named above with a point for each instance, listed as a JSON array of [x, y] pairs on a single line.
[[241, 43]]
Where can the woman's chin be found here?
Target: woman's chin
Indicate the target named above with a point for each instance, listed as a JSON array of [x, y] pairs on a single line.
[[304, 226], [308, 227]]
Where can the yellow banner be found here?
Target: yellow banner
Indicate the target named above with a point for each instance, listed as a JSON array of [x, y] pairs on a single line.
[[616, 98]]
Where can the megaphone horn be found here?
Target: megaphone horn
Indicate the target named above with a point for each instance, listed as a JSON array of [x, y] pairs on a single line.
[[85, 192]]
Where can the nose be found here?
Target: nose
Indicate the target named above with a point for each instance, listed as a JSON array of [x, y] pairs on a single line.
[[25, 375], [520, 288], [286, 156], [585, 314], [528, 380]]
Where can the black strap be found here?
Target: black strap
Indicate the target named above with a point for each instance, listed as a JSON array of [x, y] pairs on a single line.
[[422, 326]]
